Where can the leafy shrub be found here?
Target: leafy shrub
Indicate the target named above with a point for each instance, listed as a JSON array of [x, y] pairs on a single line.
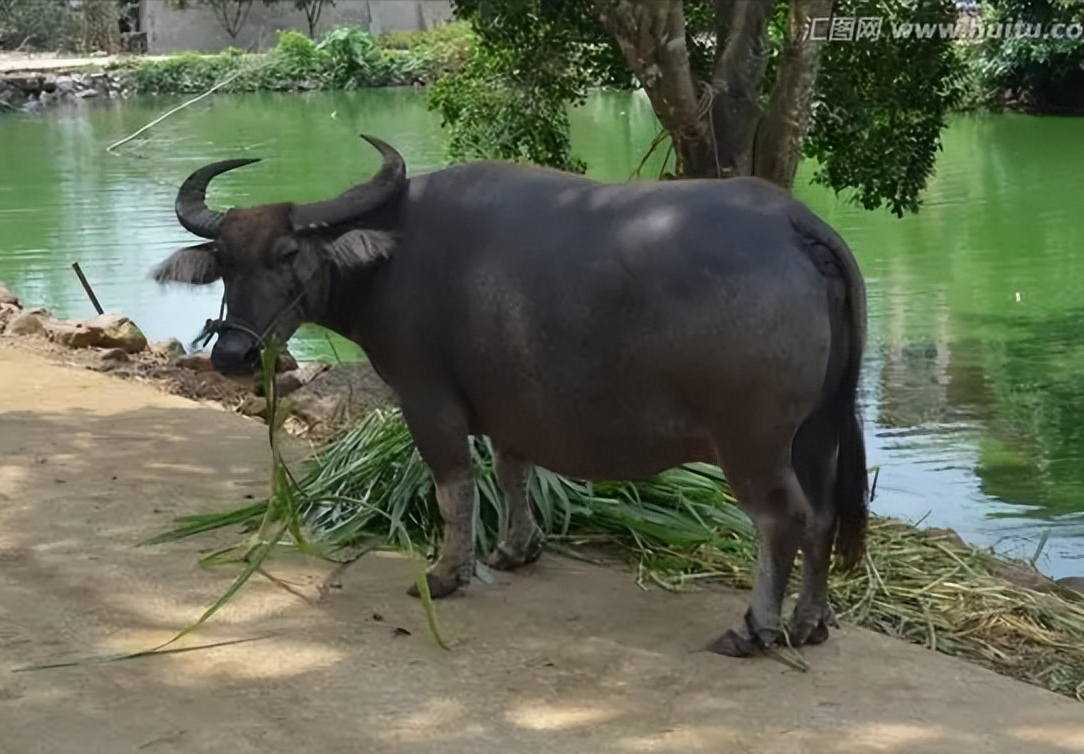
[[444, 49], [59, 25], [355, 60], [489, 117], [344, 58], [1032, 73], [509, 99], [187, 72]]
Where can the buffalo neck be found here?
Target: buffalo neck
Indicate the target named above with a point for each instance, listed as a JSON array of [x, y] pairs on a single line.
[[350, 310]]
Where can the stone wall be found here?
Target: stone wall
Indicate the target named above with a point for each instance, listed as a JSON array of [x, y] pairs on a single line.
[[170, 30]]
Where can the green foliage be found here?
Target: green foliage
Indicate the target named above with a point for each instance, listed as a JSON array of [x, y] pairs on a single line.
[[354, 60], [529, 64], [192, 72], [443, 48], [30, 23], [880, 106], [490, 116], [344, 58], [59, 25], [1035, 74]]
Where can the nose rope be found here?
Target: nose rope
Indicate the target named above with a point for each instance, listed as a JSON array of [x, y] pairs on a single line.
[[218, 326]]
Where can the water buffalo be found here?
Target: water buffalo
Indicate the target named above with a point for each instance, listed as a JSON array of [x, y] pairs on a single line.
[[600, 331]]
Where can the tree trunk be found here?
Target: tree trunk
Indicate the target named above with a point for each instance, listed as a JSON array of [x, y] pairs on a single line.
[[651, 34], [718, 128], [778, 141]]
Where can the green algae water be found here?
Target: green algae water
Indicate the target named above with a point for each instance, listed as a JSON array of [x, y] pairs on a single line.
[[974, 387]]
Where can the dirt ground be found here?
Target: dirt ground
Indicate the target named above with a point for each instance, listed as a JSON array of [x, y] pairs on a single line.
[[13, 62], [565, 657]]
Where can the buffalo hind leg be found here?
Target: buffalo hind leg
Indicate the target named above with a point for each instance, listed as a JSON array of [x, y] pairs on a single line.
[[521, 539], [442, 441], [812, 616], [778, 509], [814, 457]]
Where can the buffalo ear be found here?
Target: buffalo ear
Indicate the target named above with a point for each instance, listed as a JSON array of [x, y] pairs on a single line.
[[194, 265], [358, 248]]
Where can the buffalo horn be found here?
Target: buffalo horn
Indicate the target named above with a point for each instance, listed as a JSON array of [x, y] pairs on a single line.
[[191, 205], [358, 199]]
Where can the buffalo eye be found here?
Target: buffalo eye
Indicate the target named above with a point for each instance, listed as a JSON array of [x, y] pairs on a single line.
[[286, 247]]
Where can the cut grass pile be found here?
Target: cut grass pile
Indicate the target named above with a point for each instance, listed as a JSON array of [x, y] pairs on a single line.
[[369, 488]]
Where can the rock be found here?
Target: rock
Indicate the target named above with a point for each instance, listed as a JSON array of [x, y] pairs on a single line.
[[6, 297], [255, 406], [114, 354], [289, 382], [29, 323], [170, 349], [85, 93], [7, 313], [1074, 583], [118, 332], [71, 334], [947, 534], [200, 361], [105, 331], [340, 394], [1023, 575], [29, 85], [285, 362], [111, 358], [65, 85]]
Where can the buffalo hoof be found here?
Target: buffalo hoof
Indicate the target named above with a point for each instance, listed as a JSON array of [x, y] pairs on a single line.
[[439, 586], [811, 630], [508, 557], [735, 644]]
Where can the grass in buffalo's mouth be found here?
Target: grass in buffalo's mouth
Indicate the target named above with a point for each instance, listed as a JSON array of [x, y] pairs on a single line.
[[370, 488]]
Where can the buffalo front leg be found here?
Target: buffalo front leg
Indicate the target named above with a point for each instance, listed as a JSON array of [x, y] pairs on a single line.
[[777, 511], [440, 435], [455, 565], [521, 539]]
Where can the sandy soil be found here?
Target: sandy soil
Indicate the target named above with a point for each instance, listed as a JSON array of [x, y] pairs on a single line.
[[12, 62], [565, 657]]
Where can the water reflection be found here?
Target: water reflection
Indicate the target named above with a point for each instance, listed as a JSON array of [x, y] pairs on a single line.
[[976, 324], [976, 362]]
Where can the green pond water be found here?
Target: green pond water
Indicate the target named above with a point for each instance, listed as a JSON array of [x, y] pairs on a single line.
[[974, 389]]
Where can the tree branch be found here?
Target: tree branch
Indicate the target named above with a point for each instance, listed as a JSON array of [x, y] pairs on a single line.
[[651, 34], [741, 46], [782, 130]]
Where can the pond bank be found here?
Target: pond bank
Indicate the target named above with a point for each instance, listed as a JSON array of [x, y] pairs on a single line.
[[33, 91], [342, 59], [322, 397]]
